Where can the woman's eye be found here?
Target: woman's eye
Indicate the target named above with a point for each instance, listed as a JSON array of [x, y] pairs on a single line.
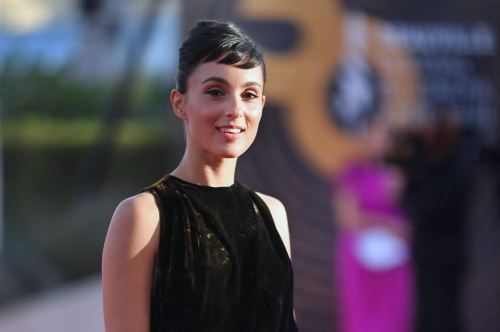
[[214, 93], [250, 95]]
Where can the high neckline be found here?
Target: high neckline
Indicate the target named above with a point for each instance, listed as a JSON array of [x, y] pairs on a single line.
[[200, 186]]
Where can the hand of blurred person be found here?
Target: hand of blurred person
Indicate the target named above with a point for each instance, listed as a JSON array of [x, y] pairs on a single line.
[[351, 217]]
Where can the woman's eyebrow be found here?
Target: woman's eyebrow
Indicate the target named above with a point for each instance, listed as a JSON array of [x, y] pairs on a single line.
[[225, 82], [216, 79], [247, 84]]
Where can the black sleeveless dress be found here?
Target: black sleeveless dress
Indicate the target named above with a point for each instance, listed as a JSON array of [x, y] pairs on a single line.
[[221, 263]]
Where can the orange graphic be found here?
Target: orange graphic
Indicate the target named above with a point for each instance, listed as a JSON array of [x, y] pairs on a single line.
[[299, 80]]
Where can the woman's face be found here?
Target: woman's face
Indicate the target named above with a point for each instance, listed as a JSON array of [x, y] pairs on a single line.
[[221, 109], [378, 140]]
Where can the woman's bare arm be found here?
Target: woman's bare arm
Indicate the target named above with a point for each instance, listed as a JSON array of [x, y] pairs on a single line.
[[280, 219], [350, 216], [127, 264]]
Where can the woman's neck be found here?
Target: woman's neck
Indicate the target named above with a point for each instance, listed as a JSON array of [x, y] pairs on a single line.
[[206, 170]]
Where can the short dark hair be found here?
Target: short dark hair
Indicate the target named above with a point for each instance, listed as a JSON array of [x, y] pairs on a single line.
[[208, 41]]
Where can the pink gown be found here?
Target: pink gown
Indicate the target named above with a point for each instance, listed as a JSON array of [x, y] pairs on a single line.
[[371, 300]]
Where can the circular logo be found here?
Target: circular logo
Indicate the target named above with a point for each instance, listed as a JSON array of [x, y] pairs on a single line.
[[354, 94]]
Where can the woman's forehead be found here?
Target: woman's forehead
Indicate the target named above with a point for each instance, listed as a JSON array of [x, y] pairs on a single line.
[[230, 73]]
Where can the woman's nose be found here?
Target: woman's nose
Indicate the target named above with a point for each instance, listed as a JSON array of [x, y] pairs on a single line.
[[235, 110]]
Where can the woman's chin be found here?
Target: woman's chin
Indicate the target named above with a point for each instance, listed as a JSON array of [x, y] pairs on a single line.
[[231, 153]]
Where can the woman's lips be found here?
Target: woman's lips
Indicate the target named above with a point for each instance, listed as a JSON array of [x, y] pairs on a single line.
[[230, 130], [231, 133]]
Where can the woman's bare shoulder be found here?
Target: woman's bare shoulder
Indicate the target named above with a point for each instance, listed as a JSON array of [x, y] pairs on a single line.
[[142, 206], [134, 223], [275, 206]]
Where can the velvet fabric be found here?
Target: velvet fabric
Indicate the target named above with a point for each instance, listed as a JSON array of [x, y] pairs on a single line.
[[221, 263]]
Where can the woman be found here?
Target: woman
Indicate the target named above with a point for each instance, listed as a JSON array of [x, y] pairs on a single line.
[[198, 251], [374, 275]]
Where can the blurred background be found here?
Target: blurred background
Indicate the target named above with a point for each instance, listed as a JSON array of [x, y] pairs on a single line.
[[85, 122]]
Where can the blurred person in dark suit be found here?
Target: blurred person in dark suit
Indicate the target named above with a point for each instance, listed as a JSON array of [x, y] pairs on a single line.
[[439, 173]]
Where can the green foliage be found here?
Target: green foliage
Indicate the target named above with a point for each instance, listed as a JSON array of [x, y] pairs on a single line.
[[49, 109], [49, 124], [33, 92]]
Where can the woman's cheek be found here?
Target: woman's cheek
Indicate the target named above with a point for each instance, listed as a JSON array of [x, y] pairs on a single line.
[[256, 114]]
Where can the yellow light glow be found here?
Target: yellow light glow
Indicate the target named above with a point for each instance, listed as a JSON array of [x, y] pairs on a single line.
[[26, 15]]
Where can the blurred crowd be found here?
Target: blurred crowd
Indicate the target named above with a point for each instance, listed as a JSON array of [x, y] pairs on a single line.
[[402, 213]]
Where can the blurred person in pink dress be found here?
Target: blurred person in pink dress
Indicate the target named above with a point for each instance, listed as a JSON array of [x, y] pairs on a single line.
[[373, 270]]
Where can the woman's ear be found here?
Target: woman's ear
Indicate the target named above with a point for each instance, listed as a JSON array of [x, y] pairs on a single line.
[[263, 100], [176, 98]]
